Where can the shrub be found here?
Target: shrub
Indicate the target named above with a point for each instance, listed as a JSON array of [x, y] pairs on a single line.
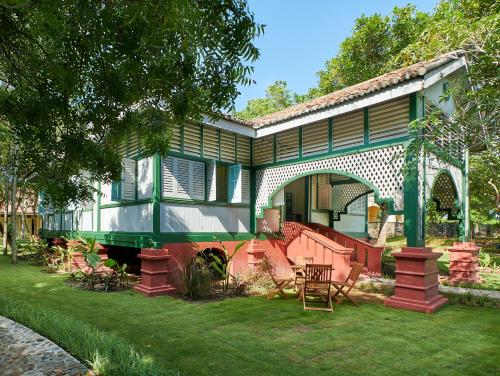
[[198, 279], [104, 352]]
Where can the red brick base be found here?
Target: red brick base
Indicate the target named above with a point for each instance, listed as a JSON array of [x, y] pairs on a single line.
[[416, 281], [154, 273]]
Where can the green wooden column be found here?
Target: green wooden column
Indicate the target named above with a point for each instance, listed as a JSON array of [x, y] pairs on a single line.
[[253, 191], [411, 191], [156, 199]]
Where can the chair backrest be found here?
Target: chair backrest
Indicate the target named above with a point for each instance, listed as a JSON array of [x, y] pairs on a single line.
[[354, 273], [301, 260], [318, 276]]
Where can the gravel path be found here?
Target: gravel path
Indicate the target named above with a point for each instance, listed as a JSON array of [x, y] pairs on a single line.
[[26, 353]]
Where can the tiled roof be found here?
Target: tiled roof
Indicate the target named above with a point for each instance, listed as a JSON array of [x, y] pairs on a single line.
[[352, 92]]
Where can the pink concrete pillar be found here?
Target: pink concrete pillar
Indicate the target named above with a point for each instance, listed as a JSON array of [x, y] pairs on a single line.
[[416, 281], [255, 252], [464, 262], [154, 273]]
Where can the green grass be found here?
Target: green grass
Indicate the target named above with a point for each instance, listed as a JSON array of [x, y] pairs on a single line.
[[250, 336]]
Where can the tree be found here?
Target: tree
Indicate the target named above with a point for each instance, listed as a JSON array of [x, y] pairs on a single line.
[[278, 96], [375, 40], [77, 78]]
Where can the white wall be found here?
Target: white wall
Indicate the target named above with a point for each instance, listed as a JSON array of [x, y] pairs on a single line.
[[203, 218], [131, 218], [321, 218], [350, 223], [433, 94]]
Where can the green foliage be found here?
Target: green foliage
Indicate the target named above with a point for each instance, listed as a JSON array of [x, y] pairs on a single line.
[[223, 266], [198, 279], [77, 78], [190, 338], [375, 40], [278, 96], [484, 168], [486, 261], [103, 352]]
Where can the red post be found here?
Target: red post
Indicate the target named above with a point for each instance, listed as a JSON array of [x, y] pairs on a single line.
[[154, 273], [416, 281], [255, 254], [464, 262]]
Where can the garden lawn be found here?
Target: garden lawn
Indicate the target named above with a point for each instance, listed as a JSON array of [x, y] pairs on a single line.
[[252, 336]]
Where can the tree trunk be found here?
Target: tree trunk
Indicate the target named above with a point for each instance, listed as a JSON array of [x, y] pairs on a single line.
[[6, 220], [13, 236], [382, 230]]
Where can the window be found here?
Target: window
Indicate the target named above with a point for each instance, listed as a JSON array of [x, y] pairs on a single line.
[[124, 189], [183, 178], [228, 183], [358, 206], [222, 183]]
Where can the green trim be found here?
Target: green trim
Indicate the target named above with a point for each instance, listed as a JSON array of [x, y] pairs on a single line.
[[338, 153], [301, 129], [464, 224], [411, 195], [98, 208], [330, 135], [306, 201], [146, 239], [181, 131], [366, 126], [366, 214], [61, 219], [156, 195]]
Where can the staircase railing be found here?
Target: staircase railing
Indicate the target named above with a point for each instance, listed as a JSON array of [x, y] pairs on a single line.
[[322, 250], [363, 252]]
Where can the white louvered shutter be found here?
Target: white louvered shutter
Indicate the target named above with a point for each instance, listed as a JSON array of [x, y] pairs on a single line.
[[212, 180], [183, 178], [128, 179], [348, 130], [245, 186], [389, 119]]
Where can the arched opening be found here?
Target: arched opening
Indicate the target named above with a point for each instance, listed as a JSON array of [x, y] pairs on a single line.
[[443, 208], [329, 198], [212, 257]]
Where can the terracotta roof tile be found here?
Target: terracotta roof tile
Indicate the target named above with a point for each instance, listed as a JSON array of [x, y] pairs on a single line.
[[378, 83]]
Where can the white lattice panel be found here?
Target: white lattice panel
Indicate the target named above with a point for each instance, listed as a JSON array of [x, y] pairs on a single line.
[[381, 167], [432, 168]]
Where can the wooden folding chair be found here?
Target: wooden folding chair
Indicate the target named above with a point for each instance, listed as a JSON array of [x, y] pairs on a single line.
[[343, 288], [299, 269], [317, 284], [279, 282]]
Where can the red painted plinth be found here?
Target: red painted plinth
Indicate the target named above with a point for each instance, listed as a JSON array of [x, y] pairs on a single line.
[[464, 262], [255, 254], [416, 281], [154, 272]]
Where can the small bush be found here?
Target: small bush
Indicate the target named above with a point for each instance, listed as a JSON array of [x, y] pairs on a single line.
[[103, 352], [198, 279]]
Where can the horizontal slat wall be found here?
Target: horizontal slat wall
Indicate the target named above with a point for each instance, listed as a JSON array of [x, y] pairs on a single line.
[[227, 147], [192, 139], [133, 147], [243, 149], [315, 139], [348, 130], [175, 139], [263, 150], [210, 143], [389, 119], [287, 145]]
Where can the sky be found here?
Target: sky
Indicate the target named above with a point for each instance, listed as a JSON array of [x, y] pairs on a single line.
[[301, 35]]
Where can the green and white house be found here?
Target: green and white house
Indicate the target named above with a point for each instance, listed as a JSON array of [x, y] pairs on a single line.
[[315, 162]]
